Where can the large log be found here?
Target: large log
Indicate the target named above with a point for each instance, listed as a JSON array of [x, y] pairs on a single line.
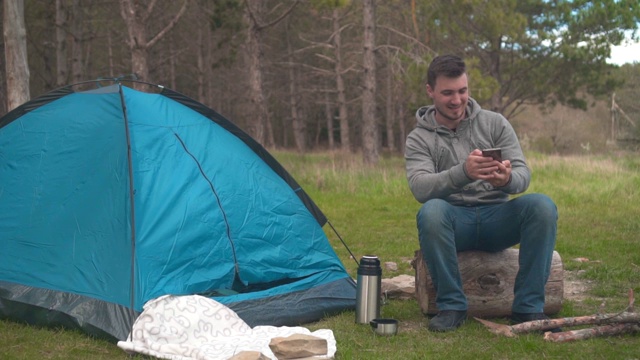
[[487, 280]]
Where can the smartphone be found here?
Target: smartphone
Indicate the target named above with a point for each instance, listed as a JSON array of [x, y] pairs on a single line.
[[495, 153]]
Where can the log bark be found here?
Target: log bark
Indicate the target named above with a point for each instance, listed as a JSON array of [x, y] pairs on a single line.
[[488, 280]]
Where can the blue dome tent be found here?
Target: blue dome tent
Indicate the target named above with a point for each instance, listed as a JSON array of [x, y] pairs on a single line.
[[112, 197]]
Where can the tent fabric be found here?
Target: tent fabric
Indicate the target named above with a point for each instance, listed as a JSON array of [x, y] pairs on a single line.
[[112, 197]]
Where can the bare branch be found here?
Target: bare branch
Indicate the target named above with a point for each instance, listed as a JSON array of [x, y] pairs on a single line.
[[423, 45], [624, 321], [333, 34], [147, 13], [316, 43], [597, 331], [169, 26], [618, 108], [259, 26], [317, 69], [324, 57]]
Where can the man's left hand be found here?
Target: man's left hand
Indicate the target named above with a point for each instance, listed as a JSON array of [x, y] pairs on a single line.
[[502, 176]]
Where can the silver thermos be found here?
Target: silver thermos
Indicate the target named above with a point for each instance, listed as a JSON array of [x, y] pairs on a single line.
[[368, 289]]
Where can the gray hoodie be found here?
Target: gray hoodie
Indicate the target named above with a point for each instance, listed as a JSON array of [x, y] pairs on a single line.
[[435, 157]]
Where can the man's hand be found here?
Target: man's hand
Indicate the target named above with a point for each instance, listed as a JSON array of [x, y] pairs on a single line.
[[484, 168]]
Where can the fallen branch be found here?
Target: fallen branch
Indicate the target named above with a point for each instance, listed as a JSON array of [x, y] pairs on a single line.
[[582, 334], [542, 325], [609, 324]]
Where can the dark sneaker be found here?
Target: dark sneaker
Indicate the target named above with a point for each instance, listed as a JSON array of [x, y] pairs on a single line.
[[519, 318], [447, 320]]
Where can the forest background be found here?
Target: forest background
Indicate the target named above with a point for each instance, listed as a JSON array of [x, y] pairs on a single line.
[[338, 74]]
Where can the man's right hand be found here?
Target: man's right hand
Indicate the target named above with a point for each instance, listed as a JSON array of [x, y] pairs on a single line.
[[479, 167]]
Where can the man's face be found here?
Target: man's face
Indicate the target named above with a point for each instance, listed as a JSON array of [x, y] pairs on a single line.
[[450, 97]]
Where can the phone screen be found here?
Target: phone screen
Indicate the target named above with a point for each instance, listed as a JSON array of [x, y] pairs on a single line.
[[495, 153]]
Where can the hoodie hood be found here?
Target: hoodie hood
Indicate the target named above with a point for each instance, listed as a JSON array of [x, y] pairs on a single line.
[[425, 116]]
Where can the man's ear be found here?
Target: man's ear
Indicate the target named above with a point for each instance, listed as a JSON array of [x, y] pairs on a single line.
[[429, 91]]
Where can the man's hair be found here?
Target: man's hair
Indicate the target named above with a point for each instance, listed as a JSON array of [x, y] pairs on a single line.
[[450, 66]]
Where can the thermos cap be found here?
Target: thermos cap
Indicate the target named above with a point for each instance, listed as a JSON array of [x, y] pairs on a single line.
[[369, 265]]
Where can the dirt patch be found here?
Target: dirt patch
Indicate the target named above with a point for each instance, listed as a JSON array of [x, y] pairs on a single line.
[[575, 288], [412, 325]]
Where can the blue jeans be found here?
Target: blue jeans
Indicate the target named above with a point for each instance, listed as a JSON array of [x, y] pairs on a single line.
[[529, 220]]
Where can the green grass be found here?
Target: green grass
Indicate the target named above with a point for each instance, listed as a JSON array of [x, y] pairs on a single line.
[[372, 209]]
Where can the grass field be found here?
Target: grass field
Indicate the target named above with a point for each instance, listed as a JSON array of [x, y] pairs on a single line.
[[371, 208]]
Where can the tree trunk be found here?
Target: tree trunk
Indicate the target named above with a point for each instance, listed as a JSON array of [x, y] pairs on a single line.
[[254, 16], [487, 280], [402, 128], [62, 71], [298, 123], [3, 83], [328, 110], [201, 15], [137, 40], [15, 52], [172, 64], [370, 145], [496, 73], [345, 143], [390, 118], [77, 34], [202, 74], [110, 54], [207, 69], [136, 21], [253, 51]]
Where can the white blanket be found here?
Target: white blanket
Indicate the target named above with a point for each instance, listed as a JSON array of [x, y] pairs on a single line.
[[198, 328]]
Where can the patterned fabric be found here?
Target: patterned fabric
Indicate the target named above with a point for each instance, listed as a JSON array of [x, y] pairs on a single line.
[[198, 328]]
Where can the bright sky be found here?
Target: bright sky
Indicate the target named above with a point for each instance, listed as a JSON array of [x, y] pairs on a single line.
[[625, 53]]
